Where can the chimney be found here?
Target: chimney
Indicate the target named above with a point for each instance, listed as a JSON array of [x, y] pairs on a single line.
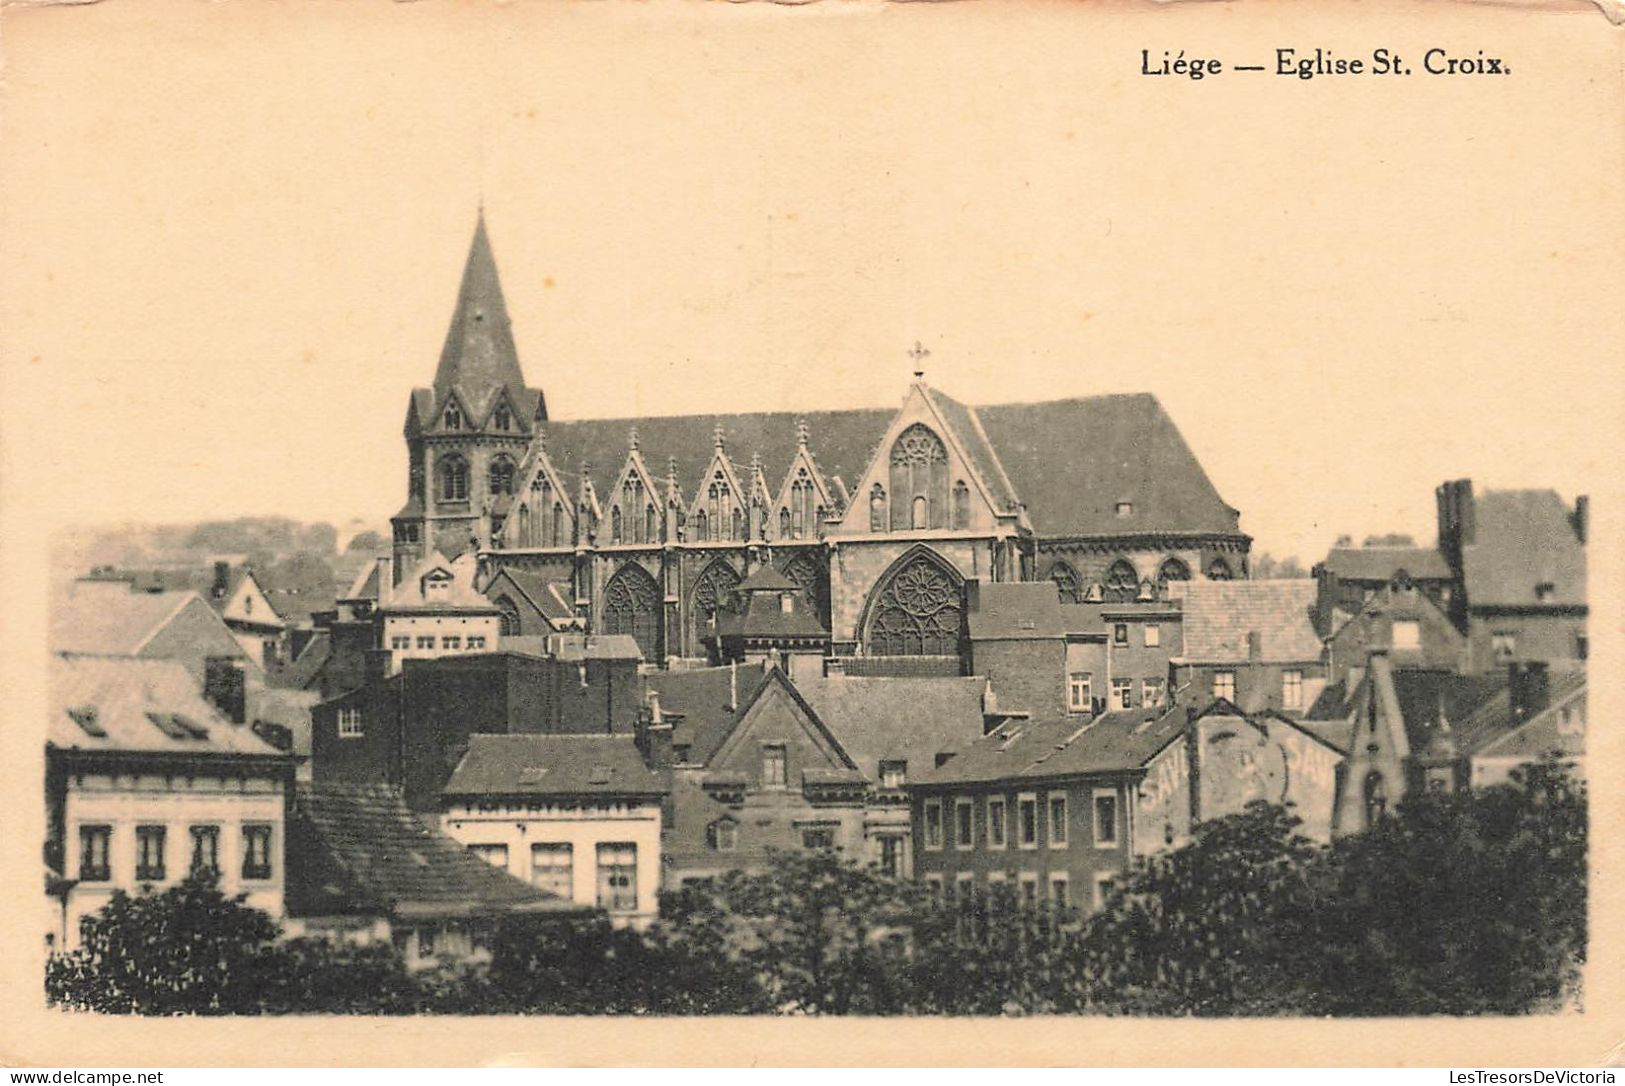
[[225, 688], [1582, 514], [1527, 688], [1255, 647], [222, 577], [653, 735]]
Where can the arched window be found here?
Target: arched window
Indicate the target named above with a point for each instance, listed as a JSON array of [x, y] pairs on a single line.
[[712, 592], [917, 611], [961, 505], [1376, 798], [615, 525], [453, 474], [502, 418], [1219, 570], [524, 526], [738, 524], [499, 476], [454, 416], [632, 606], [558, 524], [802, 495], [1122, 583], [510, 616], [1066, 582], [812, 578], [919, 469], [784, 524], [877, 509], [651, 524], [701, 525], [1172, 570], [919, 512]]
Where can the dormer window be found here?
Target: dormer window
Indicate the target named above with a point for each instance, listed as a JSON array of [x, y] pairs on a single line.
[[787, 603], [1125, 509], [893, 774], [1544, 591], [437, 586]]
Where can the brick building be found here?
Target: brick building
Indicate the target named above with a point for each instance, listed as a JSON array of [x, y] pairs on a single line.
[[1252, 643]]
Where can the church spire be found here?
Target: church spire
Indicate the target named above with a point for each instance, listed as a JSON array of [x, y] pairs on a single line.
[[479, 361]]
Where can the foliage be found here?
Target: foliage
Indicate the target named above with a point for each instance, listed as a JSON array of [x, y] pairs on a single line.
[[274, 535], [368, 542], [1267, 567]]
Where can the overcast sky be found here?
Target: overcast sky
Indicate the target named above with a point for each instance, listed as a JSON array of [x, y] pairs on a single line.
[[232, 244]]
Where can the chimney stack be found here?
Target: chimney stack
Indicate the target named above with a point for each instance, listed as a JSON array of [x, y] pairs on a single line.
[[222, 579], [1582, 514], [225, 687], [1527, 688]]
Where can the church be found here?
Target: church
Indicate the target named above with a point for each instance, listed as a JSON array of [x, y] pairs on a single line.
[[646, 525]]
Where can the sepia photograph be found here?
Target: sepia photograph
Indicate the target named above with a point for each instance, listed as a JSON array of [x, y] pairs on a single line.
[[855, 510]]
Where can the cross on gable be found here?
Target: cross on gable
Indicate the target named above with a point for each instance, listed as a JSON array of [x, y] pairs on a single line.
[[919, 353]]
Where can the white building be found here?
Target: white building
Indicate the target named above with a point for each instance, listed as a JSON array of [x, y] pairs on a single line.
[[578, 816], [145, 782], [434, 611]]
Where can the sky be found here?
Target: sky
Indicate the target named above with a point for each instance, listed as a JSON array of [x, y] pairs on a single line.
[[232, 236]]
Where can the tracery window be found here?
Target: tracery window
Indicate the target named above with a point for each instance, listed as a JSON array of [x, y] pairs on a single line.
[[556, 530], [961, 519], [615, 525], [651, 524], [1122, 583], [806, 572], [502, 418], [500, 476], [802, 498], [712, 592], [784, 524], [719, 512], [877, 509], [631, 502], [702, 525], [453, 473], [1172, 570], [919, 469], [510, 616], [632, 606], [738, 525], [917, 612], [524, 539], [1066, 582], [454, 416], [1219, 570]]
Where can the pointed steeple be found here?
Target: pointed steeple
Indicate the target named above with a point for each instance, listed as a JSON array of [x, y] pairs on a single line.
[[479, 359]]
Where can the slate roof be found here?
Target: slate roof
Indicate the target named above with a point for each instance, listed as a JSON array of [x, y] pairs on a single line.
[[305, 671], [910, 720], [763, 618], [1544, 733], [1523, 538], [1220, 614], [1016, 611], [702, 697], [549, 596], [462, 596], [1119, 741], [109, 619], [359, 849], [554, 765], [1070, 461], [1379, 564], [132, 704], [596, 647]]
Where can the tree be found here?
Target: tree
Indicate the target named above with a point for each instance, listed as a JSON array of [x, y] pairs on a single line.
[[367, 543], [1267, 567]]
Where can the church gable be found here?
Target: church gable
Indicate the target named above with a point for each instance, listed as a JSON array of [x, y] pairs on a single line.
[[778, 740], [504, 417], [804, 500], [922, 478], [634, 501], [718, 510], [543, 514]]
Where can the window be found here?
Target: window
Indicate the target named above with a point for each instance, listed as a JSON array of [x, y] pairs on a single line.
[[996, 829], [933, 824], [1504, 644], [964, 824], [1544, 591], [1172, 570], [919, 513], [1105, 819], [426, 642], [1376, 798], [206, 849], [552, 868], [1078, 692], [257, 851], [818, 837], [426, 941], [400, 641], [454, 417], [1292, 689], [918, 611], [95, 843], [933, 883], [1058, 890], [615, 525], [1122, 693], [1407, 634], [1103, 889], [787, 603], [499, 477], [1153, 635], [1120, 633], [1219, 570], [495, 855], [1125, 509], [453, 475], [1152, 692], [475, 642], [1027, 821], [350, 724], [961, 507], [618, 876], [893, 774], [919, 479], [1029, 888], [773, 766], [149, 853], [891, 855], [1224, 685], [451, 641], [1122, 583], [502, 418], [1057, 821], [723, 835]]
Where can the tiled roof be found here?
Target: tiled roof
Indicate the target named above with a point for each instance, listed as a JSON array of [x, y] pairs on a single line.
[[1220, 614], [554, 765], [597, 647], [1114, 742], [548, 595], [1381, 563], [109, 619], [132, 704], [1523, 538], [767, 578], [763, 618], [358, 848], [1132, 453], [912, 720], [705, 700], [1017, 611], [306, 670], [409, 594], [1551, 731]]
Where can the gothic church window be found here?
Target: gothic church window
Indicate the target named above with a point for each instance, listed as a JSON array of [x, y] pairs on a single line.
[[524, 526], [500, 476], [632, 606], [712, 593], [809, 578], [738, 524], [1172, 570], [919, 470], [453, 472], [877, 509], [961, 506], [1066, 582], [615, 525], [1219, 570], [651, 526], [917, 612], [510, 616], [784, 524], [454, 416], [557, 529], [701, 525], [502, 418], [1122, 583]]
